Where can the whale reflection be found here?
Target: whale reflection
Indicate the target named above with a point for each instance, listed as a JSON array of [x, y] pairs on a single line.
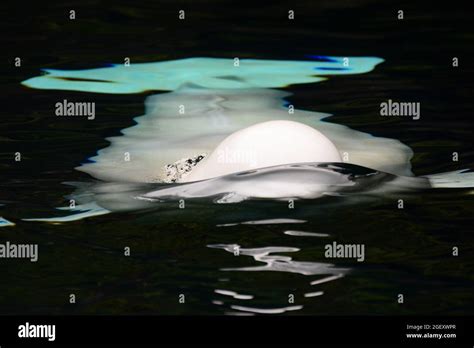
[[276, 263]]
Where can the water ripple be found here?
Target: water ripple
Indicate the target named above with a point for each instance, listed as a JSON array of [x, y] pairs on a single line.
[[278, 263], [267, 310]]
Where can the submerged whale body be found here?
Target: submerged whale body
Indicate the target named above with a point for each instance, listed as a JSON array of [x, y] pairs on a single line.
[[209, 73], [163, 136], [291, 181], [235, 138]]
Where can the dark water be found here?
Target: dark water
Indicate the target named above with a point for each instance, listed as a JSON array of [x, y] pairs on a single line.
[[182, 251]]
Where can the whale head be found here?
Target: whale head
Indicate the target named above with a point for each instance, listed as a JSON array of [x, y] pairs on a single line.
[[265, 144]]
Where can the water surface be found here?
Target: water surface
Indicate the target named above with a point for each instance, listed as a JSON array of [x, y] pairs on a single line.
[[191, 251]]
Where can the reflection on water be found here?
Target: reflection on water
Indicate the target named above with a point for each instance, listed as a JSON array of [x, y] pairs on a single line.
[[233, 294], [305, 234], [277, 263], [5, 222], [314, 294], [266, 221], [267, 311]]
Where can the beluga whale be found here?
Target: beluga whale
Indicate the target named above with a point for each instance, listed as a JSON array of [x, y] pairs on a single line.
[[224, 133]]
